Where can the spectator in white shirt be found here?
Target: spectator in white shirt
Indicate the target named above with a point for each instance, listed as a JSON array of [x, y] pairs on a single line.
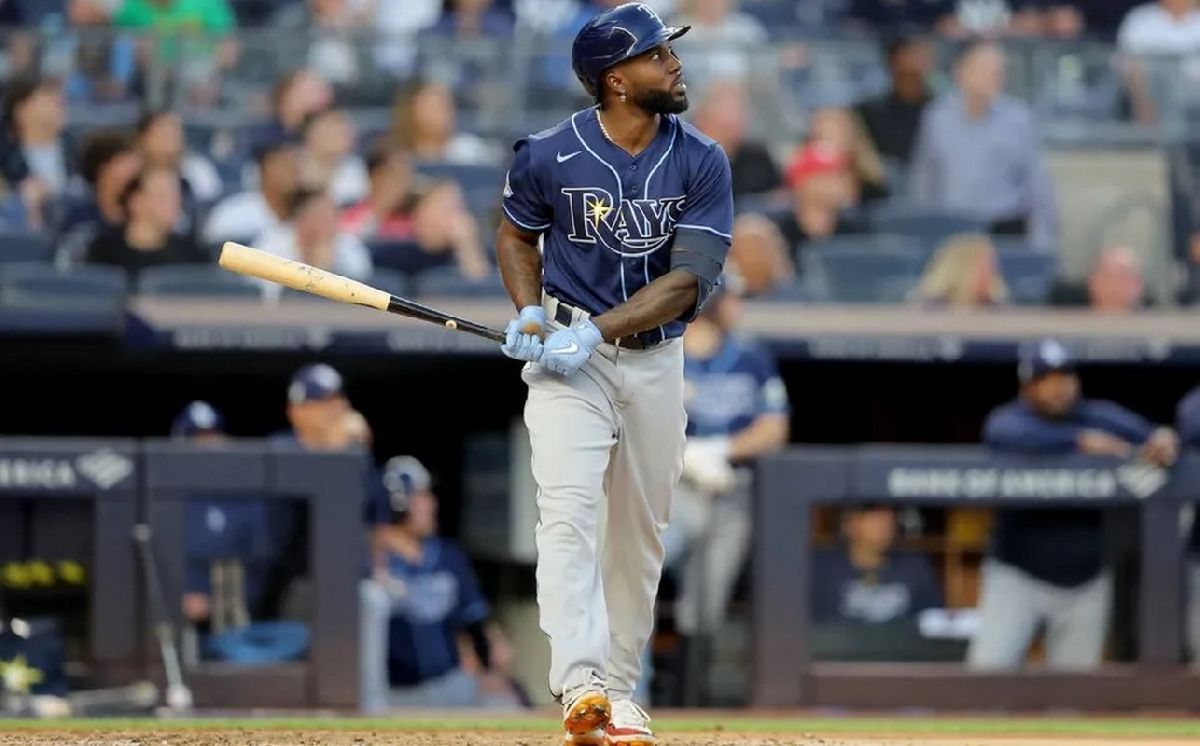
[[241, 217], [424, 123], [726, 37], [311, 235], [1159, 29], [1163, 27], [398, 24], [328, 160]]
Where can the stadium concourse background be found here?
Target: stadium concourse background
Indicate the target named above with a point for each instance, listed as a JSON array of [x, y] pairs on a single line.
[[883, 155]]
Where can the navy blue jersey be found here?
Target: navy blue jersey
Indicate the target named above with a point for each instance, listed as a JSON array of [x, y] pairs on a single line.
[[1063, 546], [609, 220], [432, 603], [901, 588], [724, 393], [1188, 424]]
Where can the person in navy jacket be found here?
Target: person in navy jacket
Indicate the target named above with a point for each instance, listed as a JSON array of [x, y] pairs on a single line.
[[1047, 566], [1188, 422]]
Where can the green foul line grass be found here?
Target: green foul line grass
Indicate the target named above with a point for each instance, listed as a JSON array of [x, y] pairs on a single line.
[[1131, 728]]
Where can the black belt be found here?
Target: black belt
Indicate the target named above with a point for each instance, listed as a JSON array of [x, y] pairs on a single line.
[[563, 314]]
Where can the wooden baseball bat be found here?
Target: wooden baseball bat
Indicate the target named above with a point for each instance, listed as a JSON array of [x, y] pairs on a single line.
[[309, 279]]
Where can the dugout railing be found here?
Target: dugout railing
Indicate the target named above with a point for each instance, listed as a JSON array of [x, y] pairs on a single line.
[[790, 485]]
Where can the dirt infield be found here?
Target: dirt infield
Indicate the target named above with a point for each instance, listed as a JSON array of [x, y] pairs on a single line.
[[238, 737]]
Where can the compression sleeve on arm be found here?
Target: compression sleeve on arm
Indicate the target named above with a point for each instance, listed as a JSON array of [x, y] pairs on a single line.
[[705, 228]]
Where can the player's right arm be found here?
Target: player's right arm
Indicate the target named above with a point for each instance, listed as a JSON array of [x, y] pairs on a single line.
[[526, 215]]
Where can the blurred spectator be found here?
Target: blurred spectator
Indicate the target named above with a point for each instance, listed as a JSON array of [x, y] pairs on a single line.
[[35, 116], [474, 19], [1048, 566], [963, 274], [892, 120], [723, 115], [161, 141], [182, 40], [834, 129], [759, 256], [737, 410], [152, 206], [329, 26], [1054, 19], [1149, 36], [424, 124], [387, 211], [905, 15], [1114, 284], [295, 97], [328, 160], [398, 24], [244, 216], [32, 154], [108, 162], [721, 42], [978, 152], [97, 64], [311, 236], [1188, 422], [421, 604], [402, 207], [822, 186], [1161, 27], [867, 579]]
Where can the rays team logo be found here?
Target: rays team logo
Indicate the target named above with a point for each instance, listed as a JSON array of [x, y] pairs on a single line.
[[632, 228]]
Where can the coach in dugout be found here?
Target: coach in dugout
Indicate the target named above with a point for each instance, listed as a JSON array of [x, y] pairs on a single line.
[[1188, 422], [427, 638], [1048, 566]]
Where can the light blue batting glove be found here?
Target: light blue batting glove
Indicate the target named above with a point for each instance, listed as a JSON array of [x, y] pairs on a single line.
[[523, 336], [566, 350]]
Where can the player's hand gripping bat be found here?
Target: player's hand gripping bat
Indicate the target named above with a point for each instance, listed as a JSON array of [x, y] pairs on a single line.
[[303, 277]]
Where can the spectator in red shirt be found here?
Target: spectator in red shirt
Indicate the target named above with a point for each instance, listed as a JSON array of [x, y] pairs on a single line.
[[387, 211]]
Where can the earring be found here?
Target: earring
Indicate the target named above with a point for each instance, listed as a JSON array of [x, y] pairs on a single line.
[[622, 98]]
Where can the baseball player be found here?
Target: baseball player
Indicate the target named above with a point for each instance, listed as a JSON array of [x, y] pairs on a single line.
[[632, 209]]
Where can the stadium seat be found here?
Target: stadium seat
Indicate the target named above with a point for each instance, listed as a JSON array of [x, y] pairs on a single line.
[[23, 246], [195, 280], [405, 257], [870, 269], [447, 281], [1028, 273], [37, 283], [930, 225]]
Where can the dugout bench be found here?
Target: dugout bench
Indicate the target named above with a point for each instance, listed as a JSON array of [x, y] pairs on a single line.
[[789, 485], [331, 485]]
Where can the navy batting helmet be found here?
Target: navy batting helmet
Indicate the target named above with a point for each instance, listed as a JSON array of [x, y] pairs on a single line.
[[615, 36]]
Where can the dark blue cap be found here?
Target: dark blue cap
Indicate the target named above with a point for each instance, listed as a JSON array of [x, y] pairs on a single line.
[[314, 382], [197, 417], [1046, 356]]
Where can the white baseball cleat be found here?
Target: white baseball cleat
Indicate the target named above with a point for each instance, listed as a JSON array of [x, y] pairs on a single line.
[[629, 725], [585, 713]]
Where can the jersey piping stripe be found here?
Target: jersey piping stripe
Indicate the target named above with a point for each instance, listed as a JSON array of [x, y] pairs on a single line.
[[706, 229], [519, 224], [662, 334], [620, 190]]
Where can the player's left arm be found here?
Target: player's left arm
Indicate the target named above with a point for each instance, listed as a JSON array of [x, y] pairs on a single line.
[[702, 237], [770, 429]]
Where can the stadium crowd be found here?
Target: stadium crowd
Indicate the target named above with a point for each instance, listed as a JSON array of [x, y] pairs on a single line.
[[932, 189], [363, 143]]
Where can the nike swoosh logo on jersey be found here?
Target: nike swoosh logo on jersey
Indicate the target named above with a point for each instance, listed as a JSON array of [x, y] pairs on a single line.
[[570, 349], [564, 158]]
